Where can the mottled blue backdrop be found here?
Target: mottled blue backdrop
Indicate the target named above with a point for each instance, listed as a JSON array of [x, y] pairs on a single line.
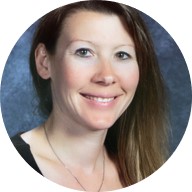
[[18, 98]]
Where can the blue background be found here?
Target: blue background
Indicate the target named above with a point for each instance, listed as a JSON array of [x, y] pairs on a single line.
[[18, 97]]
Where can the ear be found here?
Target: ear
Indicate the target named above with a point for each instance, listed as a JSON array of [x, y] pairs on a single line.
[[42, 61]]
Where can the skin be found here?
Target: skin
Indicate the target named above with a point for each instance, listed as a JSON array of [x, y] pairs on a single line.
[[94, 76]]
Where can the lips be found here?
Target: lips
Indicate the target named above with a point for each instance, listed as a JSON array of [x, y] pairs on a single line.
[[99, 99]]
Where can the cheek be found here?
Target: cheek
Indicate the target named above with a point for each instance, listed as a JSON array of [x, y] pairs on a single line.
[[69, 73], [70, 77], [130, 77], [73, 76]]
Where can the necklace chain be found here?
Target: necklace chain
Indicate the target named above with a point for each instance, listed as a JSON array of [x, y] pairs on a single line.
[[59, 159]]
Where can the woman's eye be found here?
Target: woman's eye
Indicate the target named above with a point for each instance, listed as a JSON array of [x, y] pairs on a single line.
[[123, 55], [83, 52]]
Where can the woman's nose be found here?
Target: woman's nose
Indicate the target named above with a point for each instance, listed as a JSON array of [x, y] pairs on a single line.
[[105, 74]]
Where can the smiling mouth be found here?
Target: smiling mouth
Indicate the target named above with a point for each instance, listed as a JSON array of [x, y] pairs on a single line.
[[99, 99]]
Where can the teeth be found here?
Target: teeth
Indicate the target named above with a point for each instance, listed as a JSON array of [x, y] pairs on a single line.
[[100, 99]]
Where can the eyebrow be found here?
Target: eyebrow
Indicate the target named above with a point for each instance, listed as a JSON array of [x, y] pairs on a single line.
[[125, 45], [95, 44], [75, 40]]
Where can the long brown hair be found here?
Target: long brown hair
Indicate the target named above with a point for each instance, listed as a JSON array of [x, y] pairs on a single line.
[[137, 142]]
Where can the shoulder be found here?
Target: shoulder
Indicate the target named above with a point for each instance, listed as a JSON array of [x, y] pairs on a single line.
[[24, 150], [18, 141]]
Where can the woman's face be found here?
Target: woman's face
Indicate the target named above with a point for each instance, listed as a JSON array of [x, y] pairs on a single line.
[[94, 72]]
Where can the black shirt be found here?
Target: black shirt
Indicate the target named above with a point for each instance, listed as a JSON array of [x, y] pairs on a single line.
[[24, 150]]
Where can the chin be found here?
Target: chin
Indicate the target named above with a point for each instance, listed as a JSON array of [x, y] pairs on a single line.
[[102, 125], [99, 121]]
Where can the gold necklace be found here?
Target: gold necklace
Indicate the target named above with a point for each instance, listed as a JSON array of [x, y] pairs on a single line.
[[58, 158]]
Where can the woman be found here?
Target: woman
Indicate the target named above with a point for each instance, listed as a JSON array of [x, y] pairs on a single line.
[[97, 78]]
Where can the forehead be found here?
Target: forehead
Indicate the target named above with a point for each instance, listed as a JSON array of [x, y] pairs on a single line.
[[91, 24]]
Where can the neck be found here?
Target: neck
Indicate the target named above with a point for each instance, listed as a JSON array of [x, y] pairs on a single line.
[[77, 147]]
